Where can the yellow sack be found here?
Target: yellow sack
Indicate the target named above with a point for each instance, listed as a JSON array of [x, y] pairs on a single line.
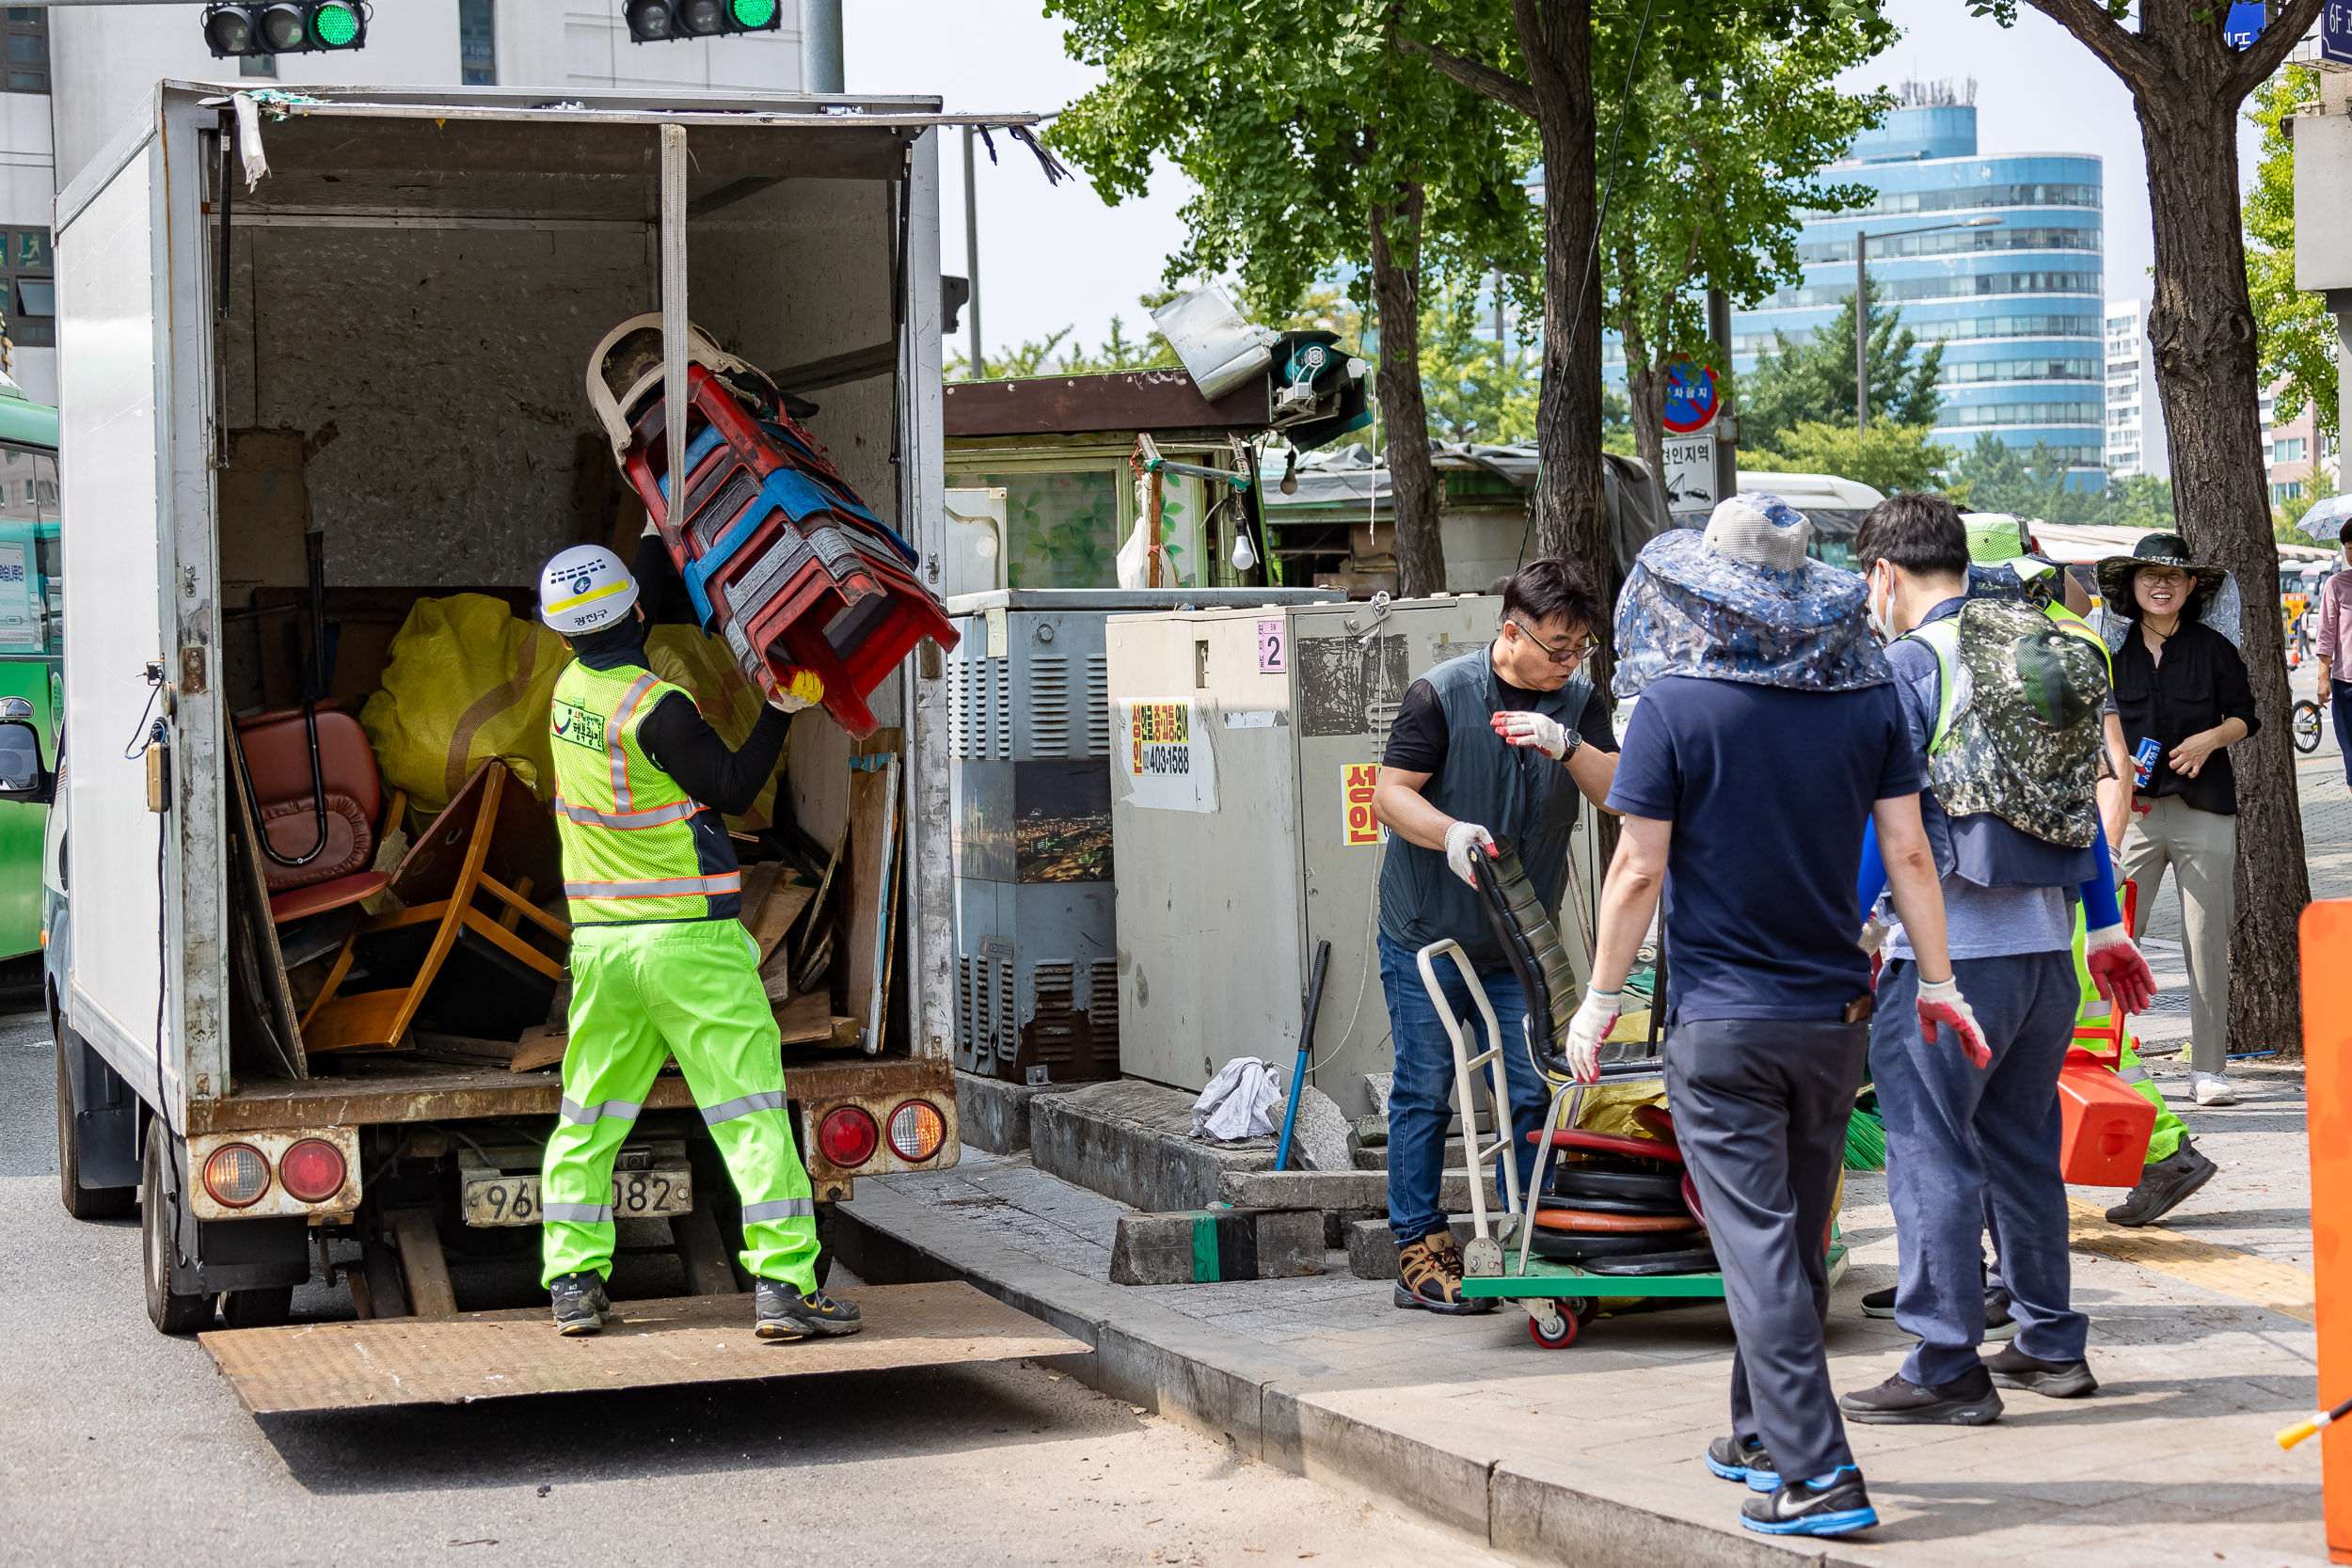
[[466, 681], [728, 703]]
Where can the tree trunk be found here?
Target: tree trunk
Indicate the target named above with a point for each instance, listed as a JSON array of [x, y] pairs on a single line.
[[2201, 330], [1412, 483], [1556, 38]]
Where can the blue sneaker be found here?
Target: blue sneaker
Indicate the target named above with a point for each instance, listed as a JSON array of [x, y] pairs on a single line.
[[1841, 1507], [1743, 1459]]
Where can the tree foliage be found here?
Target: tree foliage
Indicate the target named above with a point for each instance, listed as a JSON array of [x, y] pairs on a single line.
[[2296, 335], [1813, 378], [1888, 457], [1047, 356], [1994, 476], [2143, 500], [1476, 389]]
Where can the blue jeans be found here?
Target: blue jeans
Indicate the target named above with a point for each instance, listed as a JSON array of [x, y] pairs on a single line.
[[1964, 1146], [2339, 710], [1418, 1104]]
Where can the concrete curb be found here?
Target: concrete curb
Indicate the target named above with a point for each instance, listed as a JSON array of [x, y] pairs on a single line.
[[1291, 1412]]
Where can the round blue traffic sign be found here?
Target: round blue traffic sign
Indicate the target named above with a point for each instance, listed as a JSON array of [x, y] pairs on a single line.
[[1689, 399]]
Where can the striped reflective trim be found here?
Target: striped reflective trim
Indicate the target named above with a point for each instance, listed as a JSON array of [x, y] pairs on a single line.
[[769, 1099], [666, 887], [2133, 1074], [577, 1214], [619, 1110], [620, 586], [780, 1208], [619, 753], [627, 821]]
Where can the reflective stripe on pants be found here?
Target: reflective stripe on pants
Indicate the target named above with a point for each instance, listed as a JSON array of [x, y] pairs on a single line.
[[689, 989]]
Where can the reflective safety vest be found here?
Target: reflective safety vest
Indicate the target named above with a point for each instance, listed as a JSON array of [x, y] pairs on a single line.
[[2018, 728], [636, 847]]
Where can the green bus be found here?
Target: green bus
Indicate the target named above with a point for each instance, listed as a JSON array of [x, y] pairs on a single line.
[[32, 632]]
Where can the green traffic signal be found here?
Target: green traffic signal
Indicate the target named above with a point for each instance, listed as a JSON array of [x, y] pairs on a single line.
[[753, 14], [335, 26]]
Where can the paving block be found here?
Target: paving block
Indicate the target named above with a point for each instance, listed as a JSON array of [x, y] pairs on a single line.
[[1372, 1248], [1214, 1245], [993, 1115], [1131, 1141], [1372, 1132], [1380, 1085], [1362, 1190], [1319, 1134]]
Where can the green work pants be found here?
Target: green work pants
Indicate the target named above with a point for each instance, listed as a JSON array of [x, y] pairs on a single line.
[[688, 989], [2095, 1012]]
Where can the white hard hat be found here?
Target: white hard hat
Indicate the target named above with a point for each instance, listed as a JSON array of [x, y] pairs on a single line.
[[585, 589]]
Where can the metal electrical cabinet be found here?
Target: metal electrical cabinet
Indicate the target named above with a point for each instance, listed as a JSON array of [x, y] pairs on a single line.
[[1029, 788], [1247, 745]]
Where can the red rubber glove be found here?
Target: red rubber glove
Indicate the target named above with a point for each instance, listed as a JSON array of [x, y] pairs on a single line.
[[1940, 1002], [2118, 970]]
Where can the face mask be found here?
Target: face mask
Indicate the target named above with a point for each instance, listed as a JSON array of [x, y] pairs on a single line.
[[1877, 623]]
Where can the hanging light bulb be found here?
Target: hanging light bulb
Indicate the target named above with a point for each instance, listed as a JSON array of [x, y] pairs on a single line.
[[1242, 557], [1290, 474]]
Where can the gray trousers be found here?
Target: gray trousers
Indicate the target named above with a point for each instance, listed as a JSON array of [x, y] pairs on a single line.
[[1760, 1108], [2200, 847]]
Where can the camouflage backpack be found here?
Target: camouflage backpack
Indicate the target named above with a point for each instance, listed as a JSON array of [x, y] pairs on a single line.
[[2018, 733]]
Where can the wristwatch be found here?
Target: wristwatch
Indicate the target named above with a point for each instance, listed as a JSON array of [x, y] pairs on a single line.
[[1574, 739]]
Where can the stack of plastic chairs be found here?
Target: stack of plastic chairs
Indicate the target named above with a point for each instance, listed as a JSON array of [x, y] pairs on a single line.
[[778, 553]]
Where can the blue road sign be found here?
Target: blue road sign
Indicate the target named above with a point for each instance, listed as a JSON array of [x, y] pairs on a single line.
[[2335, 31], [2245, 24]]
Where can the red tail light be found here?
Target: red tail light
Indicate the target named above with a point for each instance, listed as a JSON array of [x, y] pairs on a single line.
[[236, 1175], [847, 1137], [312, 1170]]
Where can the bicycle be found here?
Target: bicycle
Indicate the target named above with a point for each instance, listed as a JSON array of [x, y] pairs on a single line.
[[2305, 726]]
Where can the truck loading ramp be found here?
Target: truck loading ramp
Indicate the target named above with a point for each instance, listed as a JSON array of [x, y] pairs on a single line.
[[488, 1355]]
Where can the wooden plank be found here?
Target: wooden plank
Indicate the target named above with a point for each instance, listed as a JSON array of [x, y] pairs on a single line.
[[420, 1239], [759, 880], [685, 1340], [542, 1045], [807, 1020], [777, 917], [873, 841]]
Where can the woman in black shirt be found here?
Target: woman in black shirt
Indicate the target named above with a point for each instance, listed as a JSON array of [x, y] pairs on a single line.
[[2179, 683]]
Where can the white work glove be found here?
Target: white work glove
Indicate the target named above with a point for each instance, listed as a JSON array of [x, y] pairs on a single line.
[[2118, 969], [1875, 932], [1940, 1002], [1461, 841], [1548, 735], [1594, 1018]]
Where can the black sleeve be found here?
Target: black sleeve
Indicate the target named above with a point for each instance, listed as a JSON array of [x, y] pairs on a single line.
[[1596, 725], [1417, 741], [2231, 692], [659, 590], [683, 745]]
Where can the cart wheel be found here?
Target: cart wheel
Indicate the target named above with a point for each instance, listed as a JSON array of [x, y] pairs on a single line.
[[1585, 1308], [1559, 1334]]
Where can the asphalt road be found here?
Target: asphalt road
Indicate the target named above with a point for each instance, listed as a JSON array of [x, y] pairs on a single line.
[[119, 1446]]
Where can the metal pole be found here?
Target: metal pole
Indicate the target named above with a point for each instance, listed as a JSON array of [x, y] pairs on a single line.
[[1727, 419], [820, 44], [972, 248], [1860, 335]]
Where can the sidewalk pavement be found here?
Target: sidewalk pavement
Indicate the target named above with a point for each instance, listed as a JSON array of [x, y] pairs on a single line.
[[1591, 1455]]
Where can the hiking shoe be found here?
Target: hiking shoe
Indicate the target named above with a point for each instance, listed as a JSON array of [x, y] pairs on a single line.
[[2164, 1186], [2057, 1380], [1841, 1507], [1968, 1400], [2211, 1088], [781, 1312], [1429, 1277], [1998, 1324], [580, 1301], [1744, 1460]]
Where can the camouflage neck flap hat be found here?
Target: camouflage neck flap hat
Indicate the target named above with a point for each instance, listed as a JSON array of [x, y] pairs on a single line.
[[1742, 602]]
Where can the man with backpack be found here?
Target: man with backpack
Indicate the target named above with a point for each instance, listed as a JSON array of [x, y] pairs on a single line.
[[2005, 708]]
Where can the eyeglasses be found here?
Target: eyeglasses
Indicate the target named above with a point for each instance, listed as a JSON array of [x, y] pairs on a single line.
[[1577, 655]]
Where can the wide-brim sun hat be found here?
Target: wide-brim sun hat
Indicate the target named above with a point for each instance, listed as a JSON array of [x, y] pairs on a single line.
[[2155, 549]]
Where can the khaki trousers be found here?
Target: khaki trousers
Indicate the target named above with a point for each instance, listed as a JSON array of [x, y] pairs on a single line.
[[2200, 847]]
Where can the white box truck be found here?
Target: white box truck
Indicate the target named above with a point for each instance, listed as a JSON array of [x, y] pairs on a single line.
[[418, 276]]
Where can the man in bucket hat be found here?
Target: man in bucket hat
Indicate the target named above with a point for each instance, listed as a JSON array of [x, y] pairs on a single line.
[[1767, 733]]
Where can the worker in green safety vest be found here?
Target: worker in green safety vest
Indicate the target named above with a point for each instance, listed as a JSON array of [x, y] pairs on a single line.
[[661, 965], [2000, 552]]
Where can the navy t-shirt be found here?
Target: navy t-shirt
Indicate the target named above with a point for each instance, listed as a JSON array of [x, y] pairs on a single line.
[[1768, 790]]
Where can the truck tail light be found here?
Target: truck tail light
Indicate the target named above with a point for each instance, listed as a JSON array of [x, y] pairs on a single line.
[[917, 1130], [236, 1175], [847, 1137], [312, 1170]]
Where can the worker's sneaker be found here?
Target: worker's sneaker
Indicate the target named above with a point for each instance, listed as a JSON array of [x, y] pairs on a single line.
[[1429, 1277], [1998, 1324], [784, 1313], [1744, 1460], [580, 1301], [1834, 1504], [2164, 1186], [2057, 1380], [1968, 1400], [2211, 1088]]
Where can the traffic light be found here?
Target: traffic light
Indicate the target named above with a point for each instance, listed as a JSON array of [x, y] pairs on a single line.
[[287, 27], [661, 21]]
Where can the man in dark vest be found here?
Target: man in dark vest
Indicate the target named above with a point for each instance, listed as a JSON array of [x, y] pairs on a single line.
[[1493, 747]]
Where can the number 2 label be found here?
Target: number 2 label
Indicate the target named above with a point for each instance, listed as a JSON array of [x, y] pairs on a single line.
[[1270, 648]]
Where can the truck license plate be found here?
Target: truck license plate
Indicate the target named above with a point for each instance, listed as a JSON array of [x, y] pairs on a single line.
[[493, 1198]]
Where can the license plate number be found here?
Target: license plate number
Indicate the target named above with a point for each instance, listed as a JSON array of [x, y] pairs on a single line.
[[493, 1200]]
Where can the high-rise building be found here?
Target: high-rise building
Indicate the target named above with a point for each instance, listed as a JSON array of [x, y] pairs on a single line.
[[2017, 303], [2298, 460], [74, 74], [2135, 418]]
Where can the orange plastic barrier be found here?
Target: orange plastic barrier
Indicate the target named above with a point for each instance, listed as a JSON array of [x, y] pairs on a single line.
[[2327, 931], [2106, 1125]]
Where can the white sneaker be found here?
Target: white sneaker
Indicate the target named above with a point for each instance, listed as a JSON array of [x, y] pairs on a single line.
[[2211, 1088]]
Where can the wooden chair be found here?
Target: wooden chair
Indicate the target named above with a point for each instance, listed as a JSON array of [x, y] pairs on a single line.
[[493, 843]]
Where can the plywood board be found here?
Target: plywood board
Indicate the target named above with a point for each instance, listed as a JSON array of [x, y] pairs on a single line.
[[776, 918], [807, 1020], [686, 1340], [873, 852]]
